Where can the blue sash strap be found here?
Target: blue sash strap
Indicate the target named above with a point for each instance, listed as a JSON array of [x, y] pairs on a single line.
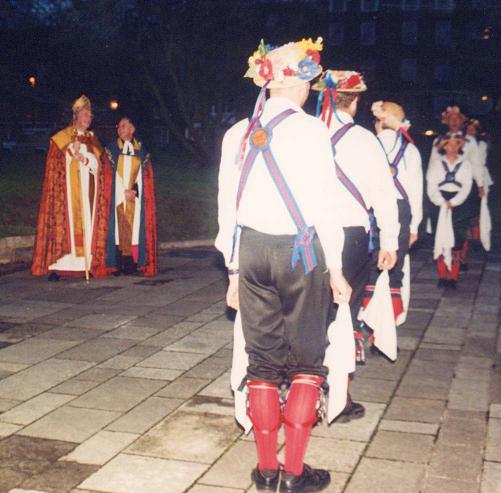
[[450, 176], [303, 242], [350, 186], [394, 169]]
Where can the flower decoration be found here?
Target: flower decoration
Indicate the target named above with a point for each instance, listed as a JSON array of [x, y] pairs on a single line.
[[342, 81], [452, 110], [391, 115], [285, 65]]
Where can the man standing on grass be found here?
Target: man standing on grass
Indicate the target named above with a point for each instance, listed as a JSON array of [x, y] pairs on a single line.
[[132, 230], [73, 218], [281, 237]]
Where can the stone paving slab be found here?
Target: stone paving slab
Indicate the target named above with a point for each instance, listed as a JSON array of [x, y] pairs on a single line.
[[123, 386]]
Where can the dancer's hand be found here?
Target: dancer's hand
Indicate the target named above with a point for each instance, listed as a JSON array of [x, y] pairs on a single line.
[[412, 239], [386, 260], [341, 290], [481, 192], [232, 293], [449, 205]]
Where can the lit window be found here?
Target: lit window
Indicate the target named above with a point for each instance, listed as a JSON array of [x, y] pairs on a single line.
[[336, 33], [409, 32], [338, 5], [369, 5], [443, 33], [444, 4], [411, 4], [408, 69], [367, 33]]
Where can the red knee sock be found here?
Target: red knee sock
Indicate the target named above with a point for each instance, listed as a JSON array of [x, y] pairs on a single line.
[[396, 301], [476, 229], [264, 412], [455, 265], [442, 268], [299, 417], [464, 252]]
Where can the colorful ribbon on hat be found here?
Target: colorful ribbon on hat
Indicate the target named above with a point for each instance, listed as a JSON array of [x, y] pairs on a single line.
[[258, 111]]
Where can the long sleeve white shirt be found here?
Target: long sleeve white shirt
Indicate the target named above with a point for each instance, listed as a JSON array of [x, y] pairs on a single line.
[[410, 173], [435, 177], [470, 153], [362, 159], [301, 147]]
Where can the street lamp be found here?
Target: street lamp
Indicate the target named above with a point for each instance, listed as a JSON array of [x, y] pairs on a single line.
[[485, 98], [32, 80], [113, 104]]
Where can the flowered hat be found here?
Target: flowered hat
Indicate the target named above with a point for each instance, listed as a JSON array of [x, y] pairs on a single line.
[[286, 65], [392, 115], [341, 81], [332, 82], [444, 140], [474, 122], [456, 110], [82, 102]]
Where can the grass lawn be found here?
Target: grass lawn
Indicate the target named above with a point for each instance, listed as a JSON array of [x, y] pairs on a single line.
[[186, 195]]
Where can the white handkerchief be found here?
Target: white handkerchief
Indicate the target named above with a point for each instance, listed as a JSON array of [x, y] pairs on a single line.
[[485, 224], [378, 315], [405, 290], [444, 236], [340, 359], [239, 365]]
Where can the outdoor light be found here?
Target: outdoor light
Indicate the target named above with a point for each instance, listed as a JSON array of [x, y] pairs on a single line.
[[485, 98], [113, 104], [32, 80], [429, 133]]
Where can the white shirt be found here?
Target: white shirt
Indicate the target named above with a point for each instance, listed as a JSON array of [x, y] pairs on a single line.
[[362, 159], [301, 147], [410, 173], [470, 152], [436, 175]]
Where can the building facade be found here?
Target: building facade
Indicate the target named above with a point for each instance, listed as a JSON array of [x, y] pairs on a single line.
[[425, 53]]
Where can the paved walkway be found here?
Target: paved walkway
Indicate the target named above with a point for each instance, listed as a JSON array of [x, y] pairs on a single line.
[[123, 386]]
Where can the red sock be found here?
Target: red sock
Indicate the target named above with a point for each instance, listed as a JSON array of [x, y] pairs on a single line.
[[442, 268], [396, 301], [476, 229], [299, 417], [455, 265], [264, 412], [464, 251]]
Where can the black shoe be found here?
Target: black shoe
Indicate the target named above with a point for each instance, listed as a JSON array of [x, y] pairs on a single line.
[[452, 284], [311, 480], [266, 479], [441, 283], [463, 267], [54, 277], [117, 273], [353, 410]]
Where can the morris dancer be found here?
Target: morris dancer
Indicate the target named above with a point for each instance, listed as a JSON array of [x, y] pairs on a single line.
[[404, 161], [132, 232], [368, 192], [449, 181], [277, 198], [73, 218], [482, 222], [455, 120]]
